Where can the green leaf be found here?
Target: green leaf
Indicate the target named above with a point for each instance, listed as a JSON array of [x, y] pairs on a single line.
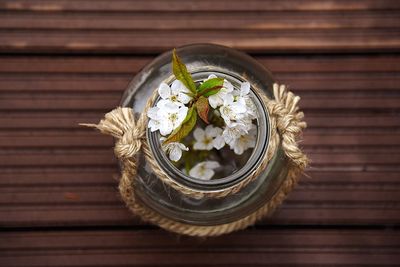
[[203, 108], [211, 83], [181, 73], [211, 91], [185, 128]]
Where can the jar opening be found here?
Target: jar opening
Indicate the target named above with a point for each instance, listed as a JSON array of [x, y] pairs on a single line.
[[232, 167]]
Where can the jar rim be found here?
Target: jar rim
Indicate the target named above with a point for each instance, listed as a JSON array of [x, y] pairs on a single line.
[[263, 137]]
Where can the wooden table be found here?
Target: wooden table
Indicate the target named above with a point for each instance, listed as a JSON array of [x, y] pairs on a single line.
[[68, 61]]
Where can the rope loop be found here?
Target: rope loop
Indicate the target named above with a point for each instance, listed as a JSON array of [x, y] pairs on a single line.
[[290, 123], [129, 144]]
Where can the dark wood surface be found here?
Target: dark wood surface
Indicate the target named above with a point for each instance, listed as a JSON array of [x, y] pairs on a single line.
[[64, 62]]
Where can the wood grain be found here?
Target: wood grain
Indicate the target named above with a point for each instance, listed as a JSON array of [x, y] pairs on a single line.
[[64, 62], [206, 5], [151, 247], [56, 162], [155, 26]]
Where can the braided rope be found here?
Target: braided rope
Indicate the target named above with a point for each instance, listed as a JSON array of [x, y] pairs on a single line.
[[285, 119]]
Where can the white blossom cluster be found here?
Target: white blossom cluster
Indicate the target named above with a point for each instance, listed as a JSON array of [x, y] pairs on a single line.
[[233, 105], [170, 111]]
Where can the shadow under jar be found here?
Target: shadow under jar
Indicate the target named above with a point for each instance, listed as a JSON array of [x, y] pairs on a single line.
[[236, 67]]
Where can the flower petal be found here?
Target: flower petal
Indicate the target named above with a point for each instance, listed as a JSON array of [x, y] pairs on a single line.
[[251, 108], [166, 127], [214, 101], [211, 131], [238, 107], [196, 171], [209, 146], [218, 142], [199, 134], [244, 88], [152, 113], [211, 76], [184, 98], [228, 99], [182, 146], [177, 87], [228, 86], [238, 149], [164, 91], [199, 146], [207, 174], [175, 153], [166, 106], [211, 164], [204, 170], [154, 125], [181, 115]]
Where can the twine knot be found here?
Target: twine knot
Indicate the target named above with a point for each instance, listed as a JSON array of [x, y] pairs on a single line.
[[121, 124], [129, 144]]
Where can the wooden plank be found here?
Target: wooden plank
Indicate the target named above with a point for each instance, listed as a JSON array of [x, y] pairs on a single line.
[[363, 157], [155, 41], [64, 83], [119, 215], [361, 195], [55, 157], [108, 176], [155, 247], [104, 157], [56, 120], [377, 83], [129, 65], [109, 100], [352, 119], [58, 176], [71, 101], [206, 5], [350, 177], [200, 21], [142, 258], [70, 215], [108, 195], [68, 120], [116, 239], [76, 139]]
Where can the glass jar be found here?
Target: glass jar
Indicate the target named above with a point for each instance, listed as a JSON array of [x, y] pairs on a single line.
[[236, 67]]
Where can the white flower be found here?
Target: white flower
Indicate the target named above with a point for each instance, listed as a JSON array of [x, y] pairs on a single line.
[[211, 76], [204, 170], [232, 110], [234, 131], [244, 88], [174, 149], [169, 116], [251, 108], [243, 142], [205, 138], [219, 142], [154, 123], [217, 99], [244, 93], [177, 93]]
